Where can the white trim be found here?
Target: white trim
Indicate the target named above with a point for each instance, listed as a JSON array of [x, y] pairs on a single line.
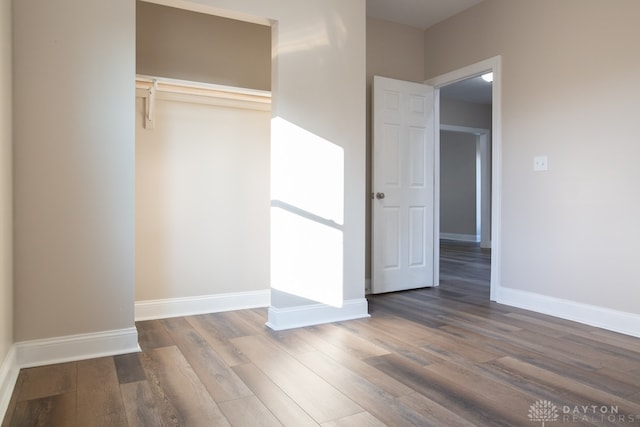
[[76, 347], [436, 188], [464, 73], [494, 65], [192, 86], [190, 98], [601, 317], [484, 147], [8, 376], [316, 314], [460, 237], [188, 306]]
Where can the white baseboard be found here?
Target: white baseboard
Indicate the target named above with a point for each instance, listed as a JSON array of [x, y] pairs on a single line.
[[76, 347], [69, 348], [316, 314], [460, 237], [8, 376], [601, 317], [189, 306]]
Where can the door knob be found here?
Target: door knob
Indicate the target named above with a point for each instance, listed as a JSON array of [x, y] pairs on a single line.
[[379, 196]]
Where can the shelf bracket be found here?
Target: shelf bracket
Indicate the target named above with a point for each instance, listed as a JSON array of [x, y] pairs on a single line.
[[150, 105]]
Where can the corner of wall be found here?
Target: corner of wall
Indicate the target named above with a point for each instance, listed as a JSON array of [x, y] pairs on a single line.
[[190, 306], [315, 314], [8, 376], [76, 347], [8, 366]]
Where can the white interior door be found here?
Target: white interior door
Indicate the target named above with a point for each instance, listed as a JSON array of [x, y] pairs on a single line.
[[403, 185]]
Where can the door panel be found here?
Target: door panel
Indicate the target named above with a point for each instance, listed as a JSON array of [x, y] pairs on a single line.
[[403, 185], [416, 236], [391, 242]]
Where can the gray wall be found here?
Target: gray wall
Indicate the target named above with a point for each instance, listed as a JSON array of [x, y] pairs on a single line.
[[195, 46], [461, 113], [457, 183]]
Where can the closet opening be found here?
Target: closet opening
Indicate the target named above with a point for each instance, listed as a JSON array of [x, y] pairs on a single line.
[[203, 117]]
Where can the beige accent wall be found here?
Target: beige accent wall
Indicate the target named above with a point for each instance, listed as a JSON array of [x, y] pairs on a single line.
[[569, 91], [74, 68], [202, 199], [6, 232], [395, 51], [181, 44]]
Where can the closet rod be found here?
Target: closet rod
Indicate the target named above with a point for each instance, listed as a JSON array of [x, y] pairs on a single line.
[[203, 89]]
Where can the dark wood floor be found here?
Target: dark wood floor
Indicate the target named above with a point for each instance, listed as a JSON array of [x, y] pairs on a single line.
[[442, 357], [466, 268]]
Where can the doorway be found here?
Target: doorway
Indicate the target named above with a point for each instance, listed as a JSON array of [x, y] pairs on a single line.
[[449, 80], [465, 254], [492, 65]]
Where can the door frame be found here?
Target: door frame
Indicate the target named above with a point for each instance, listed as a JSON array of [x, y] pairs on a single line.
[[493, 65]]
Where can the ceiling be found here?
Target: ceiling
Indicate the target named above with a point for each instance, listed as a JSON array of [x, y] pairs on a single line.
[[417, 13]]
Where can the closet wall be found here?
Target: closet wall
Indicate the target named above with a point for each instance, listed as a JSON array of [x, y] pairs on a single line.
[[202, 169]]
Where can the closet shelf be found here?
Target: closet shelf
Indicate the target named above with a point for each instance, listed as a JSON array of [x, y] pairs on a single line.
[[151, 88], [203, 89]]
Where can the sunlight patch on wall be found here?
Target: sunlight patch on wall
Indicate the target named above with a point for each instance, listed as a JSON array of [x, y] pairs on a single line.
[[307, 214]]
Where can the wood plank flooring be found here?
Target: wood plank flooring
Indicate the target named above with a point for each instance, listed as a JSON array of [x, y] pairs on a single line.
[[441, 357]]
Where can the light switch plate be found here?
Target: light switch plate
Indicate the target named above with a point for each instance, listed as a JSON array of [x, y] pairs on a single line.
[[540, 163]]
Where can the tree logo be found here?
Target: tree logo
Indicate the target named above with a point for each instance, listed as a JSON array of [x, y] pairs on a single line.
[[542, 411]]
